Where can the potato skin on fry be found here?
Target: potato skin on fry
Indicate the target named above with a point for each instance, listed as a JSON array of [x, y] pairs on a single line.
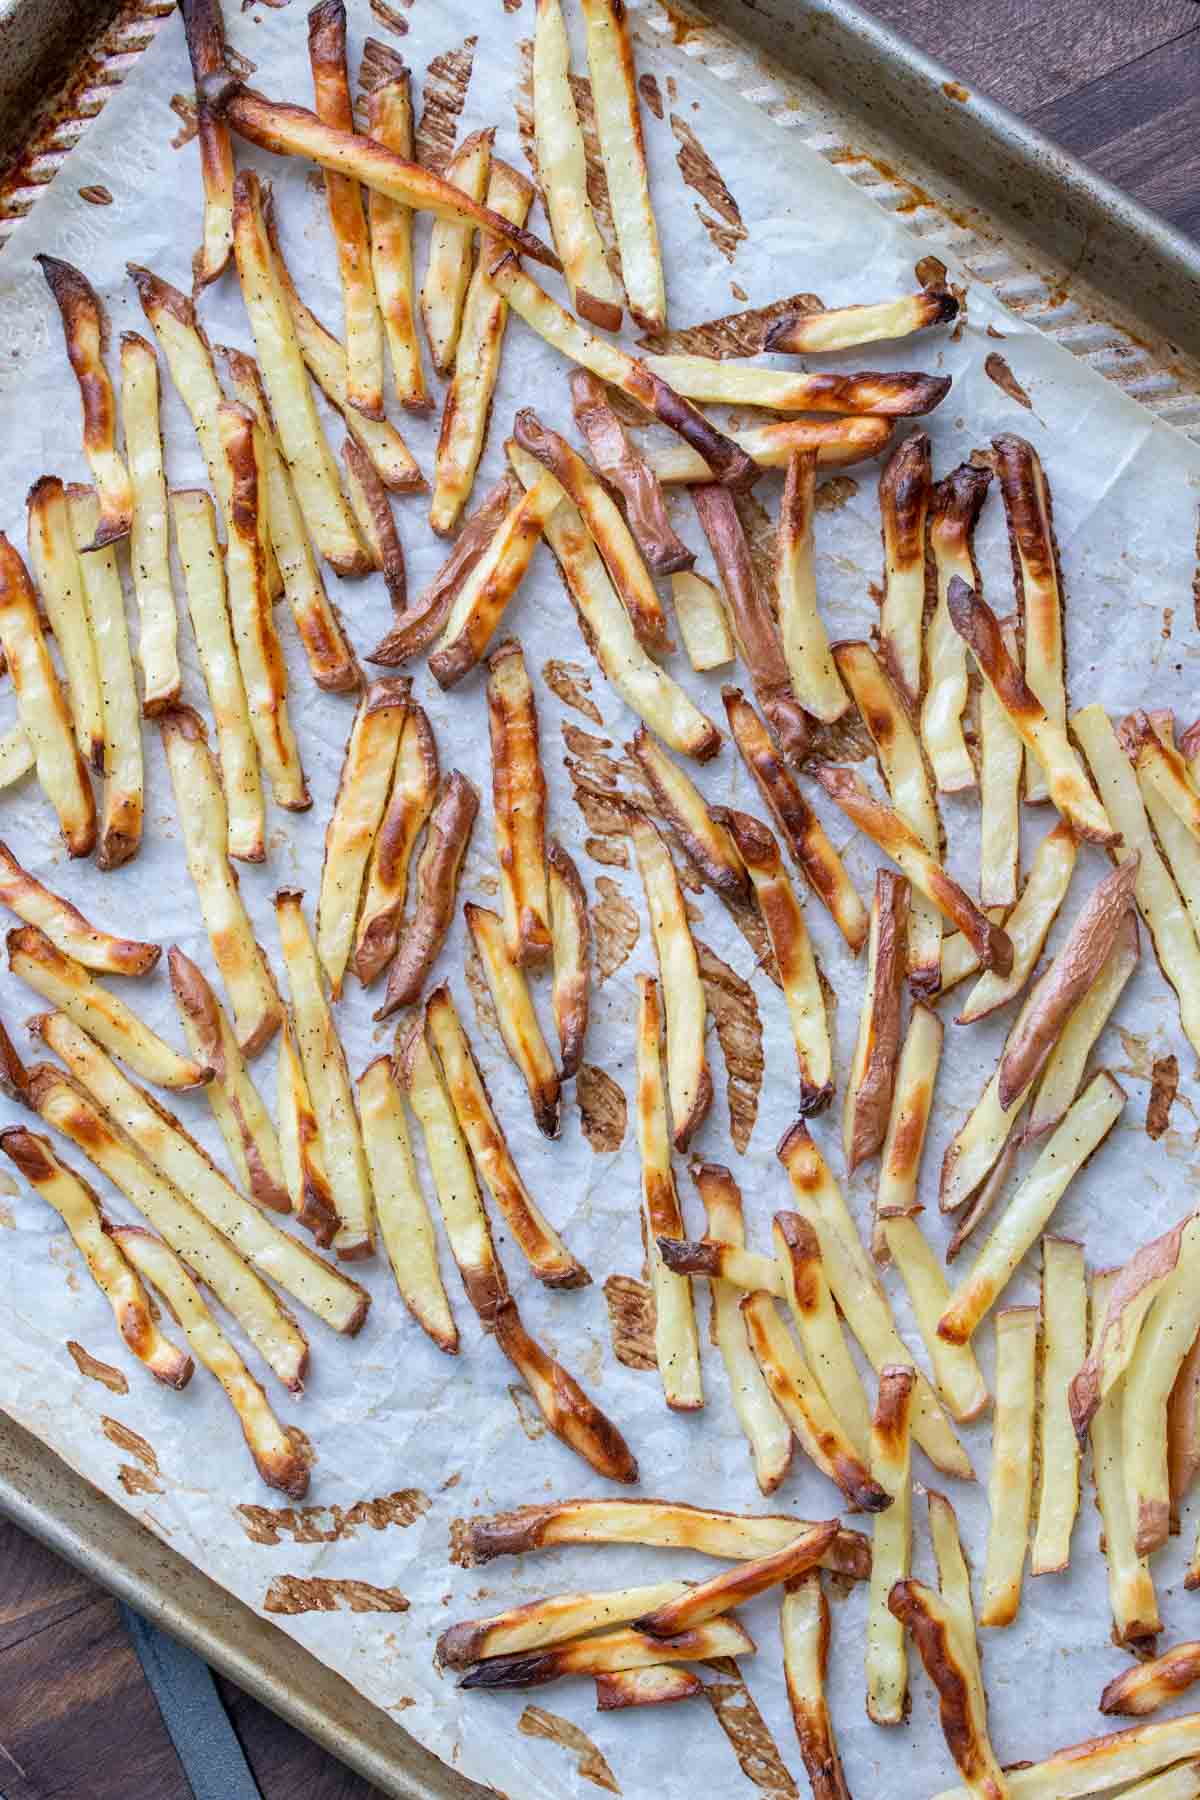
[[448, 834], [1148, 1685], [571, 931], [567, 1410], [422, 622], [873, 1072], [629, 472]]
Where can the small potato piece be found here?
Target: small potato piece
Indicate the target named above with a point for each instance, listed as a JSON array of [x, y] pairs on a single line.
[[304, 1168], [149, 545], [804, 1628], [702, 621], [85, 331], [905, 488], [956, 505], [66, 926], [371, 507], [889, 395], [1028, 924], [1000, 760], [815, 675], [676, 1342], [59, 580], [1148, 1685], [689, 1082], [571, 934], [720, 1593], [562, 165], [848, 327], [480, 602], [354, 823], [421, 622], [1010, 1485], [438, 869], [837, 442], [656, 1686], [955, 1674], [451, 245], [390, 123], [872, 1076], [519, 805], [708, 842], [891, 1549], [400, 1206], [1026, 496], [410, 802], [518, 1021], [627, 470], [619, 128], [1064, 1347]]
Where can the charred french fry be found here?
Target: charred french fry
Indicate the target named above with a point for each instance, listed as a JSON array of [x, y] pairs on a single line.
[[358, 810], [59, 578], [476, 364], [847, 327], [373, 510], [201, 808], [619, 128], [324, 1063], [121, 813], [961, 1699], [79, 1208], [519, 804], [571, 937], [1000, 760], [689, 1082], [626, 469], [1028, 924], [1132, 1600], [237, 1106], [304, 1169], [905, 488], [806, 1289], [67, 985], [804, 1628], [1167, 1333], [540, 1244], [409, 804], [573, 1418], [1064, 1348], [518, 1021], [802, 831], [891, 1549], [66, 926], [1010, 1484], [956, 505], [1148, 1685], [595, 293], [677, 1345], [735, 383], [814, 673], [421, 622], [837, 442], [869, 1085], [85, 333], [400, 1206], [390, 123], [479, 604], [204, 577], [451, 246], [42, 707], [702, 620], [149, 545], [205, 32], [610, 1650], [540, 1623], [720, 1593], [1026, 497], [439, 865]]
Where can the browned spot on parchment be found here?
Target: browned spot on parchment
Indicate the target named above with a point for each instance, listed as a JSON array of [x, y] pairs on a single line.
[[535, 1721], [1164, 1085], [993, 333], [95, 1370], [389, 17], [292, 1594], [512, 6], [739, 1032], [597, 180], [487, 884], [7, 1184], [614, 928], [704, 178], [481, 993], [609, 851], [762, 541], [737, 334], [997, 370], [329, 1524], [651, 93], [835, 493], [137, 1481], [184, 108], [573, 685], [739, 1718], [931, 271], [442, 96], [130, 1442], [96, 194], [631, 1320], [584, 744], [8, 1220], [602, 1110], [530, 1419]]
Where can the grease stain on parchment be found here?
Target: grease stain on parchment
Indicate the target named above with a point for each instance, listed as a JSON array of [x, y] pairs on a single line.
[[443, 96], [330, 1524], [94, 1370], [603, 1112], [590, 1765], [293, 1594], [631, 1321], [702, 175], [734, 1011]]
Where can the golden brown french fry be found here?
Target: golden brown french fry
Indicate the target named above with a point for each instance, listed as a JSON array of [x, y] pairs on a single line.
[[324, 1063], [596, 294], [204, 578], [85, 333], [837, 442], [121, 813], [571, 937], [1064, 1348], [610, 1650], [42, 708], [954, 1577], [905, 488], [518, 1021], [373, 510], [799, 826], [1129, 1297], [205, 31], [59, 579], [400, 1206], [480, 602], [847, 327], [304, 1169], [567, 1410], [869, 1085], [676, 1342], [957, 502], [1026, 496], [689, 1082], [421, 622], [358, 809], [451, 246], [541, 1623], [702, 621], [657, 1686], [149, 544], [1106, 1762], [806, 1289], [815, 675], [1131, 1596], [623, 152], [519, 804], [181, 338], [281, 1457], [79, 1208], [390, 123], [476, 363], [1010, 1484], [410, 802], [891, 1548], [707, 841], [66, 926], [626, 469], [721, 1593], [955, 1674], [804, 1628], [736, 383], [1148, 1685], [438, 870], [201, 808], [1028, 924]]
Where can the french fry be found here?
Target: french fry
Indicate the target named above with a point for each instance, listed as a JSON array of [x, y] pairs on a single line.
[[750, 1270], [16, 756], [42, 708], [358, 809], [885, 827], [390, 123], [891, 1550], [451, 247], [962, 1703], [626, 469], [735, 383], [309, 459], [869, 1085], [1183, 1438], [905, 487], [304, 1169], [623, 152], [794, 957], [1010, 1484], [620, 1649], [720, 1593], [410, 802], [66, 926], [537, 1239], [1026, 496], [541, 1623], [205, 31], [766, 1430], [1064, 1348], [201, 809], [1000, 760], [954, 1577], [421, 622], [1167, 1333], [801, 830], [724, 459], [815, 675], [519, 804], [401, 1208], [79, 1208], [689, 1082], [237, 1106], [1028, 924], [206, 1250], [956, 504], [59, 579], [324, 1063], [1148, 1685], [1105, 1762], [571, 937], [1129, 1297], [149, 545], [85, 334], [573, 1418], [676, 1342], [837, 442], [1131, 1596], [806, 1289], [373, 510], [848, 327], [645, 688], [480, 602], [364, 333], [476, 364], [172, 317], [1162, 770], [1179, 847], [754, 627], [519, 1026], [281, 1458], [856, 1289], [121, 813], [204, 578], [902, 765], [438, 869], [702, 620], [656, 1686], [804, 1628]]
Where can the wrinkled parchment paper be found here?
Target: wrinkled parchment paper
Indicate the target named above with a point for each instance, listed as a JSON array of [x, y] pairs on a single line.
[[388, 1412]]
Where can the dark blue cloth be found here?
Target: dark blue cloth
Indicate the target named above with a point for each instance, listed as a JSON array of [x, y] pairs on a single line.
[[192, 1712]]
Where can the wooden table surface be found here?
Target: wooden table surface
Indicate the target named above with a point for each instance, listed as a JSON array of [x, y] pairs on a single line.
[[1118, 84]]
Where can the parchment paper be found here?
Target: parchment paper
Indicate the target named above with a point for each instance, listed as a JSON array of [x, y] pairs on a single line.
[[388, 1412]]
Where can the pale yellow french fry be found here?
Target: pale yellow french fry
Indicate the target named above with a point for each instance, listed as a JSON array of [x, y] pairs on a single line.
[[689, 1082], [956, 504], [543, 1622], [1131, 1596], [401, 1208], [1100, 1763], [676, 1341], [390, 123], [1159, 783], [837, 442], [149, 545], [16, 756], [519, 804], [358, 810], [571, 932], [1028, 924], [847, 327], [1167, 1333], [519, 1024], [451, 243], [702, 620], [734, 382], [1000, 759], [85, 332], [806, 1289], [66, 926], [59, 578], [619, 128], [124, 791], [1064, 1347], [1026, 496], [562, 167], [804, 1628], [1064, 1068], [814, 672], [1010, 1484], [304, 1169], [891, 1548], [954, 1577]]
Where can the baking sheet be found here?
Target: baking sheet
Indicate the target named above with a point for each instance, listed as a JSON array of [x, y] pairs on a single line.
[[387, 1413]]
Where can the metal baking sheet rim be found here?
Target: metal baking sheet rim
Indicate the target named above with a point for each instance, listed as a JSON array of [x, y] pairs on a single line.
[[51, 1501]]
